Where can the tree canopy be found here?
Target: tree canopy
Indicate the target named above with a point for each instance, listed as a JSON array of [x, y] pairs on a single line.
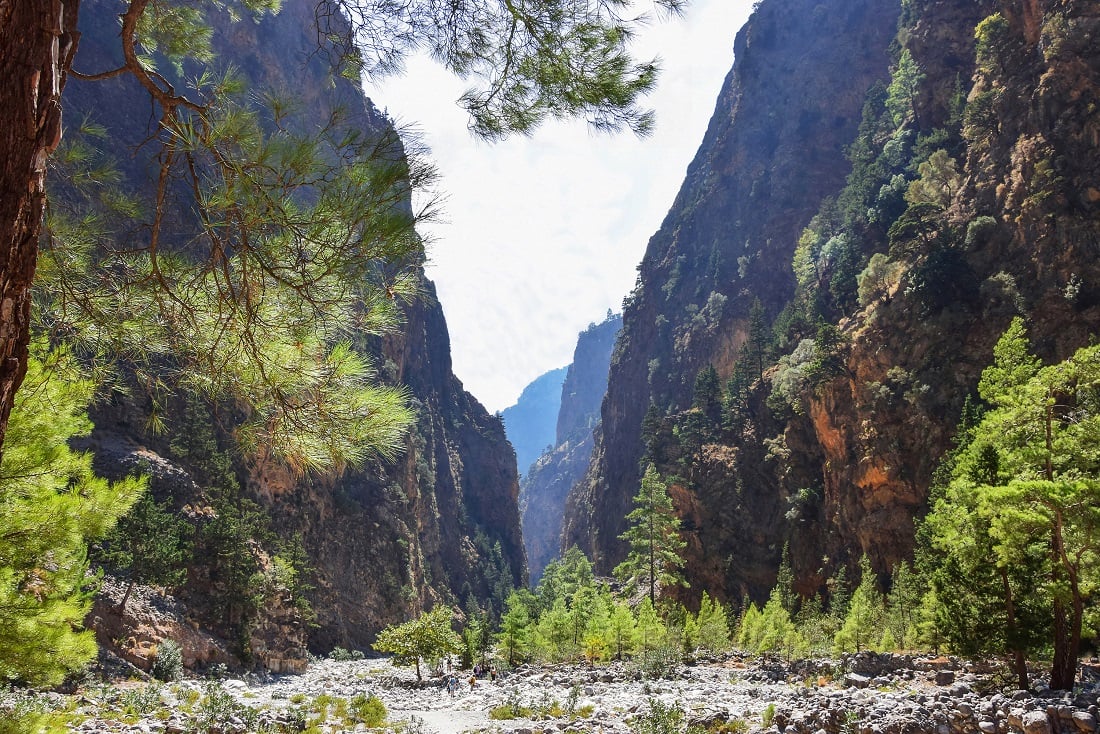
[[1020, 518], [304, 231], [428, 637]]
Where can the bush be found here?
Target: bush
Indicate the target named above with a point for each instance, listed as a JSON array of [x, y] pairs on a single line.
[[168, 664], [339, 654], [660, 719], [368, 710]]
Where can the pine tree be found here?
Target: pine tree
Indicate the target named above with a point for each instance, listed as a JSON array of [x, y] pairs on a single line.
[[206, 131], [516, 627], [903, 605], [784, 581], [1015, 528], [712, 626], [650, 631], [621, 629], [149, 545], [656, 548], [863, 622], [554, 632], [759, 339], [51, 507]]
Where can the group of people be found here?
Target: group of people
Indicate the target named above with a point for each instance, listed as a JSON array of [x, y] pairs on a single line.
[[479, 671]]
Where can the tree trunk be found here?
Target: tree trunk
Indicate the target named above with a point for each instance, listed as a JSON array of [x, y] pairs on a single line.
[[1067, 623], [37, 41], [1019, 659]]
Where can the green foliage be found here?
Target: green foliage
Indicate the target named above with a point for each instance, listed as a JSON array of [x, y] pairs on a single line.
[[340, 654], [992, 36], [712, 626], [659, 719], [515, 636], [368, 710], [904, 86], [649, 631], [759, 337], [51, 507], [428, 637], [707, 395], [168, 663], [554, 632], [784, 581], [266, 325], [1013, 531], [903, 605], [863, 622], [217, 710], [564, 577], [939, 180], [621, 629], [793, 379], [305, 233], [655, 557], [149, 545], [878, 279]]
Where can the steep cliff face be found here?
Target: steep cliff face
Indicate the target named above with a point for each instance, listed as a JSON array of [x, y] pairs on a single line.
[[442, 524], [969, 195], [544, 489], [382, 543], [530, 422], [1024, 217], [774, 149]]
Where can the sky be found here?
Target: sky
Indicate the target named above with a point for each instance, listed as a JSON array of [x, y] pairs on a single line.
[[539, 236]]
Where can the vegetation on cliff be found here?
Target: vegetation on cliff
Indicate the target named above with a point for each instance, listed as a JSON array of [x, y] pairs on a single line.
[[811, 397]]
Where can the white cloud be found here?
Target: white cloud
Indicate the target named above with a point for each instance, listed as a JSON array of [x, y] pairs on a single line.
[[542, 235]]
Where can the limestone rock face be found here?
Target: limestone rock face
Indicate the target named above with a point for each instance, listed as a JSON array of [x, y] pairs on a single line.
[[544, 489], [774, 149], [440, 524], [838, 463], [530, 422]]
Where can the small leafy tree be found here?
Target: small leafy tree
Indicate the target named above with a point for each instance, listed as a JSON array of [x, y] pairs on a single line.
[[554, 632], [650, 631], [656, 548], [428, 637]]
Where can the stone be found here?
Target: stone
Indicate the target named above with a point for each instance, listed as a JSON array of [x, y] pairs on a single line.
[[1035, 722], [944, 677], [855, 680], [1084, 721], [987, 727]]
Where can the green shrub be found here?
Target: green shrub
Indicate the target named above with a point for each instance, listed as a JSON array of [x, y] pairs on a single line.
[[339, 654], [660, 719], [768, 715], [168, 664], [368, 710]]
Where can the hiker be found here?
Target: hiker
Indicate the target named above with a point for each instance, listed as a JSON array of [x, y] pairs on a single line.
[[493, 674], [473, 681]]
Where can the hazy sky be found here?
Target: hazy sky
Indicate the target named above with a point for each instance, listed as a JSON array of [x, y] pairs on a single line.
[[540, 236]]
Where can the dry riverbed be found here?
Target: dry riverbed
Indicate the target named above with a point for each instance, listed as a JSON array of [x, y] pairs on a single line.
[[864, 694]]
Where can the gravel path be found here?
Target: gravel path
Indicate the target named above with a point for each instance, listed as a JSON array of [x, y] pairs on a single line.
[[447, 721], [889, 695]]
